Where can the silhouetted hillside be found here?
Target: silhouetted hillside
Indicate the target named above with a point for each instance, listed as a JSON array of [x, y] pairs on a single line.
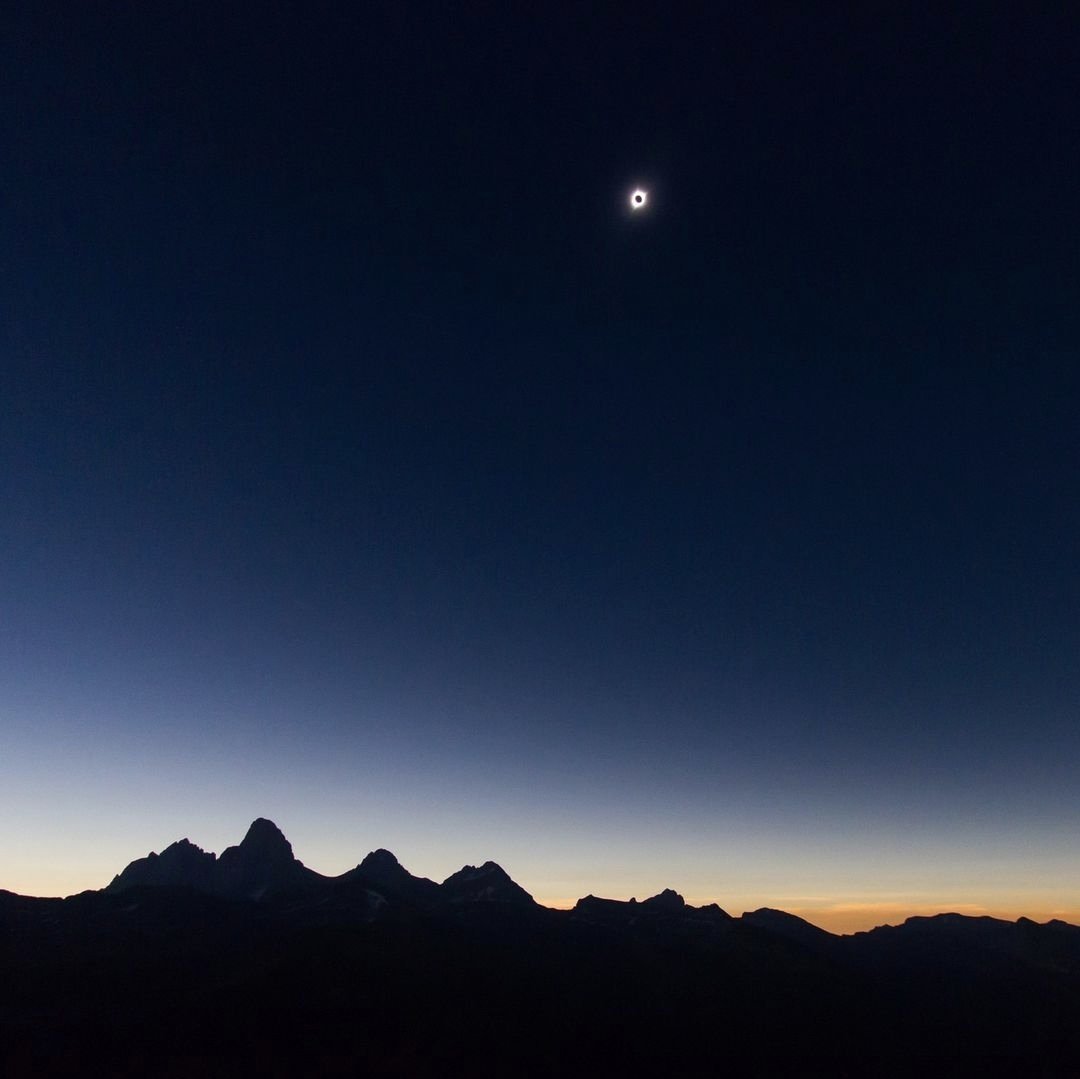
[[250, 963], [381, 871]]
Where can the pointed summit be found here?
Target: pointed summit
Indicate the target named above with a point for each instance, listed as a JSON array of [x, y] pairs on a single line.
[[262, 864], [265, 840], [668, 902], [380, 861], [381, 870]]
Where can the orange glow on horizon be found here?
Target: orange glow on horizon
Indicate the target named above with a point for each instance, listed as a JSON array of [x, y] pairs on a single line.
[[856, 918], [841, 915], [844, 917]]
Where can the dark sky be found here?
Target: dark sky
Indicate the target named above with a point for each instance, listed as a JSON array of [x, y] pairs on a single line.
[[367, 465]]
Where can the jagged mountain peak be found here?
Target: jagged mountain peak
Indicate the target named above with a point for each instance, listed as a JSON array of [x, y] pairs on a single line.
[[381, 869], [667, 900], [473, 872], [184, 844], [488, 882], [265, 838], [261, 864], [180, 864]]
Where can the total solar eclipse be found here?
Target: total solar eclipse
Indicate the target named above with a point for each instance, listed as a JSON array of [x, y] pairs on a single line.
[[639, 199]]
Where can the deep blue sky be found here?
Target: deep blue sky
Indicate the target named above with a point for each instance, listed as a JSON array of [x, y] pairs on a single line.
[[367, 466]]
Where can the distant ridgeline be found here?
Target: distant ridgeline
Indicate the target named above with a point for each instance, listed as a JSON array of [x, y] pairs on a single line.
[[194, 964], [263, 867]]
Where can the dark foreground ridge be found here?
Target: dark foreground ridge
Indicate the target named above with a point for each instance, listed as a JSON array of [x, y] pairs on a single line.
[[190, 963]]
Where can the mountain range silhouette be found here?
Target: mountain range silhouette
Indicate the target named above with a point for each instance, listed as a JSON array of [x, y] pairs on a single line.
[[190, 963], [263, 867]]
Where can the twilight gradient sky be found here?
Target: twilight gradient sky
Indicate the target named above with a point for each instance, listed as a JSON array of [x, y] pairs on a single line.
[[366, 466]]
